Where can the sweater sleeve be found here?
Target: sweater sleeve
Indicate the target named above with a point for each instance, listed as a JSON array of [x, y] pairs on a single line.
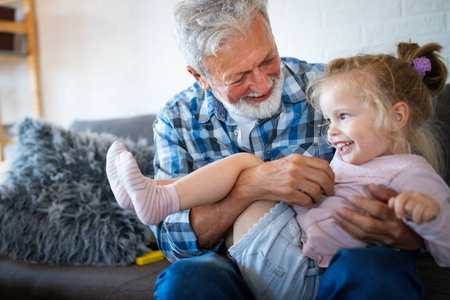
[[436, 233]]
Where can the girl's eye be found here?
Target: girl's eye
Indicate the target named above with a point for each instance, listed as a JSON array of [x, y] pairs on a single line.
[[344, 116]]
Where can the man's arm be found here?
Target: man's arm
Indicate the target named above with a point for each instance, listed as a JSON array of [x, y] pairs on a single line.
[[380, 226], [295, 179], [211, 222]]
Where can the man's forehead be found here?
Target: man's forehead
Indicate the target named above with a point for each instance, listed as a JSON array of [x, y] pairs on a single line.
[[245, 53]]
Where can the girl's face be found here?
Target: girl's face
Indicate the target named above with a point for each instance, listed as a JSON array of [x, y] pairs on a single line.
[[351, 126]]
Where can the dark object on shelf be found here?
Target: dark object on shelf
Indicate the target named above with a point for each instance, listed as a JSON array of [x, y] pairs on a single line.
[[7, 39]]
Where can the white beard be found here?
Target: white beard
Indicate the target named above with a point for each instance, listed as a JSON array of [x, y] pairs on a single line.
[[262, 110]]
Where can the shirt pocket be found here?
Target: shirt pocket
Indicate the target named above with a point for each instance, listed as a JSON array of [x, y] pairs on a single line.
[[309, 149], [201, 162]]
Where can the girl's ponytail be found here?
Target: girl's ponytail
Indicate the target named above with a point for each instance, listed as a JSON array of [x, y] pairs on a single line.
[[433, 77]]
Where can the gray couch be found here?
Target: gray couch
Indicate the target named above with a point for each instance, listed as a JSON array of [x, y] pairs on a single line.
[[19, 280], [39, 281]]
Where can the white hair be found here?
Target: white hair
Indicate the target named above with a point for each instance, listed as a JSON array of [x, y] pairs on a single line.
[[202, 27]]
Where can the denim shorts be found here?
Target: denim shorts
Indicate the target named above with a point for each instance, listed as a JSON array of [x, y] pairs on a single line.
[[271, 260]]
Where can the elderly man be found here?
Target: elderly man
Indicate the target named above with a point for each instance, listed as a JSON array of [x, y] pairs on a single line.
[[247, 99]]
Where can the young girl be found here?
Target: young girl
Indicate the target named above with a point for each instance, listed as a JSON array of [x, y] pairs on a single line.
[[377, 107]]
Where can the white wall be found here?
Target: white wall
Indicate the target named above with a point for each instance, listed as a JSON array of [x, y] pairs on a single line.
[[107, 58], [114, 58], [325, 29]]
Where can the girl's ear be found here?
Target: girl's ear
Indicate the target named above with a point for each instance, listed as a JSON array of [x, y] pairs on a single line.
[[401, 115], [201, 80]]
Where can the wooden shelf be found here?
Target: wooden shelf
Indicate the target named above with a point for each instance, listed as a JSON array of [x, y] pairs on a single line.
[[5, 57], [27, 27], [13, 27]]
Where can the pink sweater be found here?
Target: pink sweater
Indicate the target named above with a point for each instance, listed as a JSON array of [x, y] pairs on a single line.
[[322, 237]]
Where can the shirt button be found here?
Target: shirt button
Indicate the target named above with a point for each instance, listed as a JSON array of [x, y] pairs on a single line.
[[236, 132]]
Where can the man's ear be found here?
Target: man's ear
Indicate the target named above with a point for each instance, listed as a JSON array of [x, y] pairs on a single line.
[[401, 115], [201, 80]]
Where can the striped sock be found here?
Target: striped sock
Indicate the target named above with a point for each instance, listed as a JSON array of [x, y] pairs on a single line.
[[121, 195], [152, 203]]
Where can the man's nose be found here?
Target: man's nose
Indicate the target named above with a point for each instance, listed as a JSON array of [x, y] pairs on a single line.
[[260, 82]]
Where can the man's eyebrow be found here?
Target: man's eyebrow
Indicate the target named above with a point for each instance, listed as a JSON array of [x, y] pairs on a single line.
[[269, 55]]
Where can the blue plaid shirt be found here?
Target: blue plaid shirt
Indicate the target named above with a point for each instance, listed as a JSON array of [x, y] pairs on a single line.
[[194, 129]]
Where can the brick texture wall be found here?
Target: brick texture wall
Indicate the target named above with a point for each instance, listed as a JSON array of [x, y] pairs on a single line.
[[321, 30], [105, 59]]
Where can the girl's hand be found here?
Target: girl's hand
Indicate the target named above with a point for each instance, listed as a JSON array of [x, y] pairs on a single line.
[[414, 206], [378, 225]]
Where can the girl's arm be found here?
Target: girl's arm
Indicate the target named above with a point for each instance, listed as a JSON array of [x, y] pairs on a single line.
[[436, 231], [436, 234]]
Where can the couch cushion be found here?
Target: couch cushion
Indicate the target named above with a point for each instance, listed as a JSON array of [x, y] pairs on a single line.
[[56, 205], [134, 128], [39, 281]]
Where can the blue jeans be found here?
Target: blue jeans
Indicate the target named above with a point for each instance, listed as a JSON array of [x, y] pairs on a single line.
[[371, 273], [209, 276], [363, 273]]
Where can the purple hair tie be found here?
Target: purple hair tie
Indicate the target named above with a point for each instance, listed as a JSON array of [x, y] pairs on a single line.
[[421, 65]]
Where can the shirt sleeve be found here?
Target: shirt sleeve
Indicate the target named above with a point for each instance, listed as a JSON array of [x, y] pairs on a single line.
[[171, 158], [174, 234], [175, 237], [437, 232]]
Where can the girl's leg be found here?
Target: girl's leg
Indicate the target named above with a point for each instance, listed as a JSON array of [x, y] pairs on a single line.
[[269, 256], [121, 195], [203, 186], [213, 182], [247, 220], [151, 202]]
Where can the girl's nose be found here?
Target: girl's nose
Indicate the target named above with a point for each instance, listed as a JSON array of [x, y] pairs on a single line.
[[332, 129]]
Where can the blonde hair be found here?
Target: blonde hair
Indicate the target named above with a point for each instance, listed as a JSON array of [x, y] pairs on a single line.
[[383, 80]]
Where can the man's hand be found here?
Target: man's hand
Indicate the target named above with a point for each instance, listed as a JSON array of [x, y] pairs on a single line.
[[380, 226], [295, 179]]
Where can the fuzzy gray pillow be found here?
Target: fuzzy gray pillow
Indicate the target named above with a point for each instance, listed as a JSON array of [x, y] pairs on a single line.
[[56, 205]]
